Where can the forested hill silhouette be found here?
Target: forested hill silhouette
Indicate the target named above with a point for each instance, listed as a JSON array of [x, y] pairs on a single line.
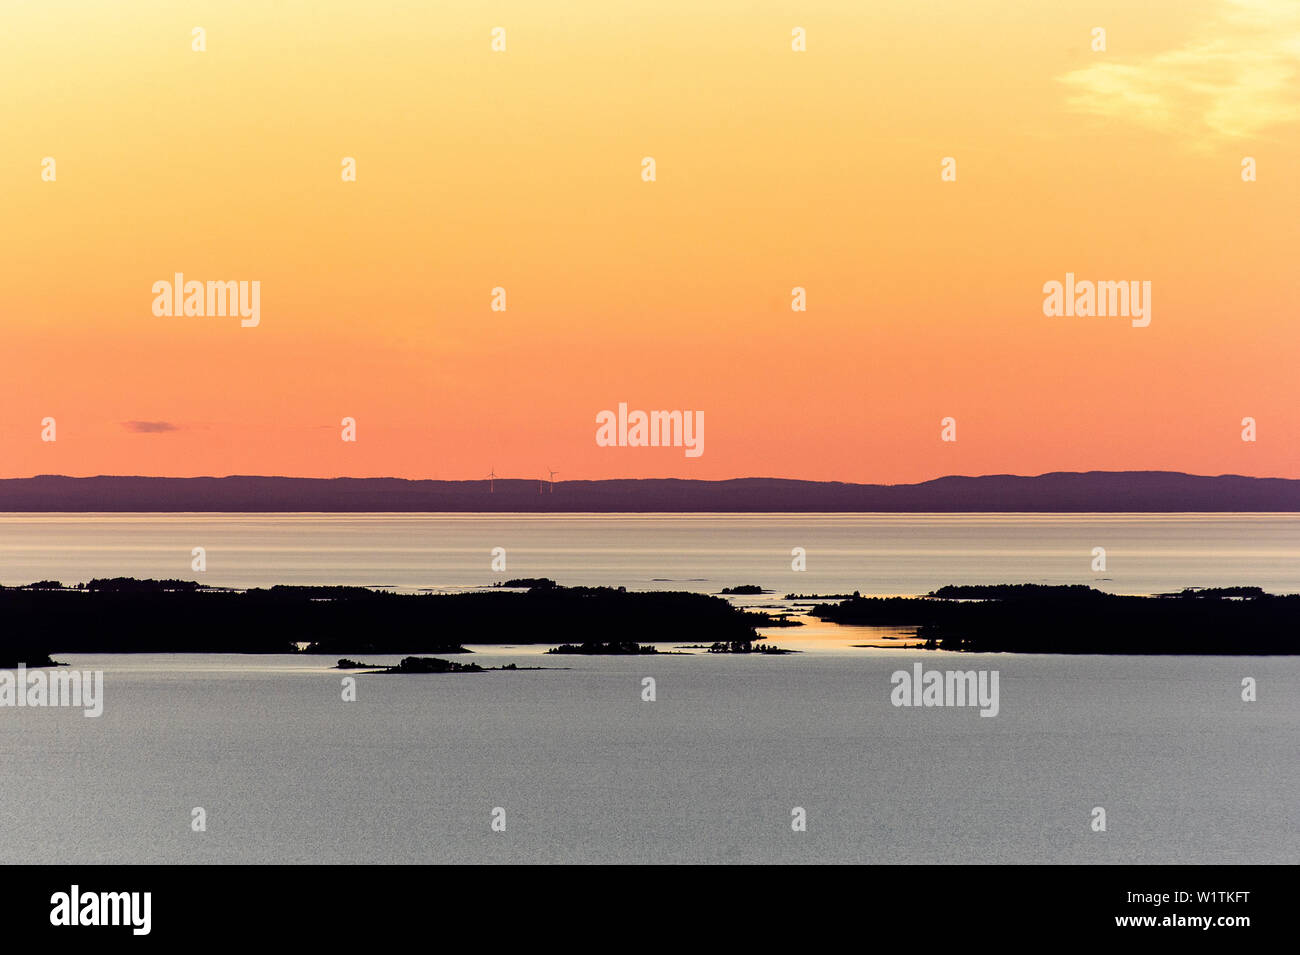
[[1112, 491]]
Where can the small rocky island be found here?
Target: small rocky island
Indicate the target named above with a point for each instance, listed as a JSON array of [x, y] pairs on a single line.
[[607, 648], [744, 646], [414, 665], [426, 665]]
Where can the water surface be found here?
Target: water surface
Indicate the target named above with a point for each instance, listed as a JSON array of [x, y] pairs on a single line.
[[873, 553], [710, 771]]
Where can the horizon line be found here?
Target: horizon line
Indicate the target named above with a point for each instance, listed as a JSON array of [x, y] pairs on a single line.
[[754, 477]]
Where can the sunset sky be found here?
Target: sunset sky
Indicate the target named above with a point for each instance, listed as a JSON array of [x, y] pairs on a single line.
[[775, 169]]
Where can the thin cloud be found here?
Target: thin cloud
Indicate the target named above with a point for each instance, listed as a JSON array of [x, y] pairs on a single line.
[[149, 427], [1236, 80]]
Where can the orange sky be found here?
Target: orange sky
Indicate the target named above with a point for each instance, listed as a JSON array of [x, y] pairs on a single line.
[[776, 169]]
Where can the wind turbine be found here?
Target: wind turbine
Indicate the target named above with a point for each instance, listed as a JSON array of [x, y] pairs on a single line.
[[553, 473], [492, 476]]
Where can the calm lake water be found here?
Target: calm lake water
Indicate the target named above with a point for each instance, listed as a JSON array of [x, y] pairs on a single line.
[[709, 772], [874, 553]]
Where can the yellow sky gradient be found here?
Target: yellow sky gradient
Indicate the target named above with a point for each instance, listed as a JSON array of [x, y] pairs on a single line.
[[776, 169]]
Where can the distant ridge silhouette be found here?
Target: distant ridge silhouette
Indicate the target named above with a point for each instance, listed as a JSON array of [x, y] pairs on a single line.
[[1090, 491]]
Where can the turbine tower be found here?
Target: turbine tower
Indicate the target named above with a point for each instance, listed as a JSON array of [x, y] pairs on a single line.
[[492, 476], [553, 473]]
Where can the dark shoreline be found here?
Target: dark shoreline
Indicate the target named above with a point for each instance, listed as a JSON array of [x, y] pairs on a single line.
[[124, 615], [1034, 618]]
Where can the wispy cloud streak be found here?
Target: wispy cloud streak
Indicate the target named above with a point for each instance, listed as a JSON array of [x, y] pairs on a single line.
[[1236, 80]]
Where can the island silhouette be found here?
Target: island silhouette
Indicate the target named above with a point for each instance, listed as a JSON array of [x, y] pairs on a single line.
[[1039, 618], [125, 615]]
